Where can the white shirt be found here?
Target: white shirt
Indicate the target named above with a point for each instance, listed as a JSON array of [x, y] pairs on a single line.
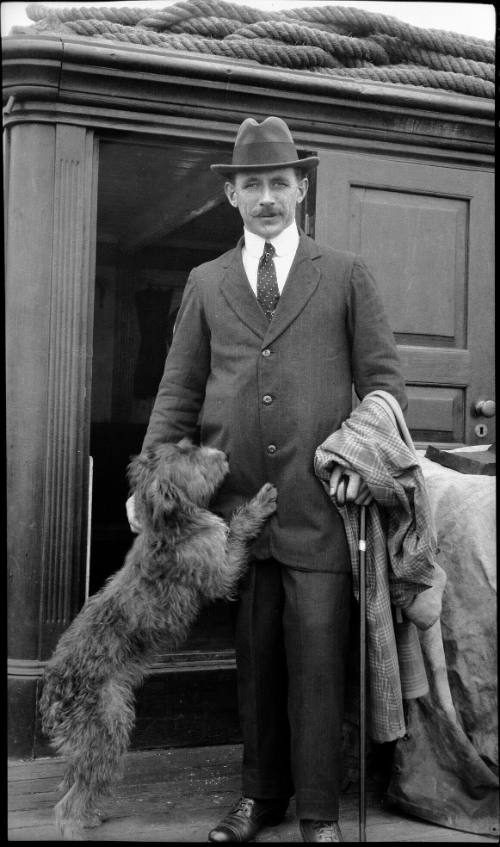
[[285, 245]]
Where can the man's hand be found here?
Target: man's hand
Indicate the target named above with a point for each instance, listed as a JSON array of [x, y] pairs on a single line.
[[130, 506], [356, 490]]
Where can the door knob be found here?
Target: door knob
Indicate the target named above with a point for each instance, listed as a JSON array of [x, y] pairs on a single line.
[[486, 408]]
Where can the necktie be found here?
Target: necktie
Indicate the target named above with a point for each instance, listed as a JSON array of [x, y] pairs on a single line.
[[267, 285]]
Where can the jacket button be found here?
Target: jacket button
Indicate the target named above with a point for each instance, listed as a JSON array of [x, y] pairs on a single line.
[[267, 399], [271, 448], [266, 352]]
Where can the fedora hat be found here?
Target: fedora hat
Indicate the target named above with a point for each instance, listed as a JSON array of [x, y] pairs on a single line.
[[264, 146]]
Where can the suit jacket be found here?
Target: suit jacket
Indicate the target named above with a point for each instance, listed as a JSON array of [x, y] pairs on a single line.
[[268, 394]]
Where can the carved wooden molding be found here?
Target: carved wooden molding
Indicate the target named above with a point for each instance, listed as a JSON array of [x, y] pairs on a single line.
[[104, 86], [31, 668], [66, 478], [168, 664]]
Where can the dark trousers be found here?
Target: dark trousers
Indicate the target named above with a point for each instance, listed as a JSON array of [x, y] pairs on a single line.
[[291, 644]]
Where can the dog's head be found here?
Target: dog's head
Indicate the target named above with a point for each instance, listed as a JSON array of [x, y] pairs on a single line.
[[171, 480]]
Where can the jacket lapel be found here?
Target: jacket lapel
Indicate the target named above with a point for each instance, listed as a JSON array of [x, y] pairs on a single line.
[[239, 295], [301, 283]]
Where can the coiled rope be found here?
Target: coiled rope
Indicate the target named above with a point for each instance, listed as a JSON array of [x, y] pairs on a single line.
[[413, 75], [341, 47], [338, 41], [198, 8], [38, 12], [261, 50]]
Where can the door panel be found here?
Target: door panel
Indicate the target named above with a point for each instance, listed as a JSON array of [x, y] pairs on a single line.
[[426, 232], [421, 276]]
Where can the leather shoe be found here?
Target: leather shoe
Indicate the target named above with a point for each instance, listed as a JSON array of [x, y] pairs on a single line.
[[247, 817], [320, 831]]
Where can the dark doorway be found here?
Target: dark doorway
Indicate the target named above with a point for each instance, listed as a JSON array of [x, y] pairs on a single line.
[[161, 212]]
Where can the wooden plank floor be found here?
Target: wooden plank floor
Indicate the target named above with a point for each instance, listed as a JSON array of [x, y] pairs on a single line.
[[177, 795]]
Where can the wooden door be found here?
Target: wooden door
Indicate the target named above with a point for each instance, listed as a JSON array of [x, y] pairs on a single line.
[[426, 232]]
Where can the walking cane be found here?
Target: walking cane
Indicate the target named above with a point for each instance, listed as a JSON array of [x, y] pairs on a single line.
[[362, 673]]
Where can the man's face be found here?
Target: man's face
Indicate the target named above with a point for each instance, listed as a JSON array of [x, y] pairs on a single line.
[[267, 199]]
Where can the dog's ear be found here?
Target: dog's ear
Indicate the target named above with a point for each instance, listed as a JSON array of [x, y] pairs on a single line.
[[156, 476], [136, 470], [164, 504], [142, 479], [141, 468]]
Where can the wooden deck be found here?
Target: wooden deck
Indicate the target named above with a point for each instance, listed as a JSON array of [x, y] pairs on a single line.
[[177, 795]]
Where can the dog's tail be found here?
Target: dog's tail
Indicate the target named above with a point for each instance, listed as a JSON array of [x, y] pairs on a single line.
[[52, 701], [65, 704]]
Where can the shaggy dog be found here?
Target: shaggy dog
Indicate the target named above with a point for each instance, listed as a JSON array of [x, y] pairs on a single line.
[[185, 555]]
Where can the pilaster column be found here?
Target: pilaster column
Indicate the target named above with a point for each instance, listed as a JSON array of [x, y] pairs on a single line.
[[49, 301]]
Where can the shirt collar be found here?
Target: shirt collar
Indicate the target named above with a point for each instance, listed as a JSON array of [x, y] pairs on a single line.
[[284, 243]]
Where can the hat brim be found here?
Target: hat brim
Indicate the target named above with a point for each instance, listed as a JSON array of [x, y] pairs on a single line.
[[307, 164]]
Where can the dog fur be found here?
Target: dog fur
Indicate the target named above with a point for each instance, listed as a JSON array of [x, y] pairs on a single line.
[[184, 556]]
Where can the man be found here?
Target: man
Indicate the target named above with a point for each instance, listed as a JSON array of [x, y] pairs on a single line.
[[269, 340]]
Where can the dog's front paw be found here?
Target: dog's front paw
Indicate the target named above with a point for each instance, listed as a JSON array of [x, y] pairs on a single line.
[[266, 499]]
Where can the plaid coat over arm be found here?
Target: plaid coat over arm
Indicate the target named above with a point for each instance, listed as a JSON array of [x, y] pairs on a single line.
[[401, 541]]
